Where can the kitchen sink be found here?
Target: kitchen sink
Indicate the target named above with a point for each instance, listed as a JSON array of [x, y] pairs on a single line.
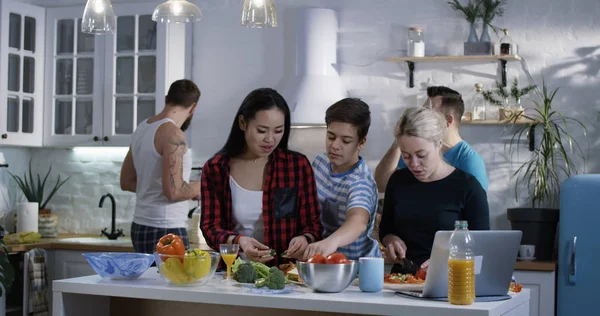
[[95, 241]]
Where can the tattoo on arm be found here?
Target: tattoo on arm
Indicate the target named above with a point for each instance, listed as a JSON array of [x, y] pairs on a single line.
[[178, 149]]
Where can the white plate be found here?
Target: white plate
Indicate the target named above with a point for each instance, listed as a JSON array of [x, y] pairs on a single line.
[[526, 259], [399, 287]]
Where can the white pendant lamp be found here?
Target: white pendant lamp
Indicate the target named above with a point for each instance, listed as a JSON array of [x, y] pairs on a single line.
[[98, 17], [259, 14], [177, 11]]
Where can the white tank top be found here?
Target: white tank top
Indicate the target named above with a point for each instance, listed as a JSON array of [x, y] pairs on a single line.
[[247, 211], [152, 207]]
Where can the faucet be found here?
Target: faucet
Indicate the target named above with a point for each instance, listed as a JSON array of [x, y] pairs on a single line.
[[114, 233]]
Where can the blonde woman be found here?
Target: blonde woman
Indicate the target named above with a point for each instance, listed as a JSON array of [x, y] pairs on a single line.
[[428, 195]]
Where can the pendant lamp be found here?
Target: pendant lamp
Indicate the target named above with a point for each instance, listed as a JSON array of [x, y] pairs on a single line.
[[259, 14], [98, 17], [177, 11]]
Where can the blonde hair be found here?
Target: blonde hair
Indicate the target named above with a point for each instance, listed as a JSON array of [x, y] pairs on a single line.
[[423, 123]]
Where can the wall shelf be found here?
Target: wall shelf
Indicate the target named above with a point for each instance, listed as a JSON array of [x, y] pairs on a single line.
[[410, 61], [495, 122]]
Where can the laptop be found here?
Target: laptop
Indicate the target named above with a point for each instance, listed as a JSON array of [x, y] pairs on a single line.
[[495, 254]]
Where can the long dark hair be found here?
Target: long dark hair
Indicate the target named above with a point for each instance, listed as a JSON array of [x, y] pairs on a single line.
[[261, 99]]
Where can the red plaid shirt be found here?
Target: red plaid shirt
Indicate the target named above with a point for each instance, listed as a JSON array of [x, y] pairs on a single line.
[[290, 201]]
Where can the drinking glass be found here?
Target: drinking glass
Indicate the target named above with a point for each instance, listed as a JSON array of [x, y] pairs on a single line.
[[229, 252]]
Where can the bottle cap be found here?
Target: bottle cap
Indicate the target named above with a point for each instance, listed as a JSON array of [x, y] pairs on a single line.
[[461, 224], [479, 85], [414, 28]]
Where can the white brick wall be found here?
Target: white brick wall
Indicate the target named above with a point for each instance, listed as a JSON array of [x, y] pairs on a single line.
[[559, 39]]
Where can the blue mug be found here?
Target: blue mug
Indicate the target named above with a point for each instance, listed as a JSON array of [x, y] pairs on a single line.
[[370, 274]]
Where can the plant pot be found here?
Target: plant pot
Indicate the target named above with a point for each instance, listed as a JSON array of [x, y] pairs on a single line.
[[539, 228], [485, 35], [473, 34], [45, 211]]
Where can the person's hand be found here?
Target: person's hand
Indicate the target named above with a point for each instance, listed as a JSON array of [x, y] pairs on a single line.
[[395, 248], [323, 247], [196, 198], [254, 250], [297, 247], [425, 265]]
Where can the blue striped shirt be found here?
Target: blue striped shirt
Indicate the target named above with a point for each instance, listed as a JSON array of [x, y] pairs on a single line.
[[339, 193]]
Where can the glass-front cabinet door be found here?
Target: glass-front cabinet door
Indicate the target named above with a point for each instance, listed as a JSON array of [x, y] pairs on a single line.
[[74, 81], [21, 73], [132, 87]]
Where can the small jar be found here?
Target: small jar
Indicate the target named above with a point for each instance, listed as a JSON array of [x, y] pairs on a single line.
[[416, 42]]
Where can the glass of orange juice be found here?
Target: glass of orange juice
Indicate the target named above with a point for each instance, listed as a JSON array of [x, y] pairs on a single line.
[[229, 252]]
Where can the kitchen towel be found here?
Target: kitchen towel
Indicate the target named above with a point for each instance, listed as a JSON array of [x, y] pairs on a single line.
[[38, 283]]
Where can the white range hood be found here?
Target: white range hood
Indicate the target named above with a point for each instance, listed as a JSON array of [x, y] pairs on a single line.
[[316, 84]]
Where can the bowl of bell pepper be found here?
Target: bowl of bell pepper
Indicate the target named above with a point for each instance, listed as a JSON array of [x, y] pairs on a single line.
[[178, 266], [194, 268]]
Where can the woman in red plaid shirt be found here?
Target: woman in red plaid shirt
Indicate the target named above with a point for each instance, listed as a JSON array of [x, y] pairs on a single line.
[[256, 192]]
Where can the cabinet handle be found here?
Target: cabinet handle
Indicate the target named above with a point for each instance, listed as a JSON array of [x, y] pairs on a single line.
[[4, 136], [573, 263], [96, 138], [105, 138]]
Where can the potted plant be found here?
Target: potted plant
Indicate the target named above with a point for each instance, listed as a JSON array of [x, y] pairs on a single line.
[[551, 161], [7, 274], [490, 9], [508, 100], [471, 14], [34, 191]]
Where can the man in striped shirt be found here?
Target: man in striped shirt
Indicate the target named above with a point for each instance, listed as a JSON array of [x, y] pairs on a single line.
[[345, 185]]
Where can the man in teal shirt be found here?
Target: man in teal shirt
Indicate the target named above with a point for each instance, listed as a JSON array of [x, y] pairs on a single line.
[[457, 152]]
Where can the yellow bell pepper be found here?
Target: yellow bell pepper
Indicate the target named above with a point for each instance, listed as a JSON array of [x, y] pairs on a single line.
[[196, 263], [172, 269]]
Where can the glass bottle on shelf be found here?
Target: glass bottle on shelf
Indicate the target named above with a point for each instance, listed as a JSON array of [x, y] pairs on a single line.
[[416, 42], [478, 104], [506, 44]]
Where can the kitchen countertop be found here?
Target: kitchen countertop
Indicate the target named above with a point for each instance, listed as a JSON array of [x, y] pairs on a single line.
[[83, 242], [123, 244], [88, 290]]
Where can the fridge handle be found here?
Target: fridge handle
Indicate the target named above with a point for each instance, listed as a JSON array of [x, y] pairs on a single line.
[[573, 263]]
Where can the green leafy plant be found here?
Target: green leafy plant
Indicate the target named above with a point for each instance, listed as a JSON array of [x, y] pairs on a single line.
[[490, 9], [471, 11], [34, 191], [7, 272], [498, 95], [552, 158]]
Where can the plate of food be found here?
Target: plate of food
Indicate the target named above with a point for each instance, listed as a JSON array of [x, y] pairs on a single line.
[[291, 273], [400, 282]]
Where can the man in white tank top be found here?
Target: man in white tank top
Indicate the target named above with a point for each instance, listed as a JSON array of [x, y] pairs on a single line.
[[157, 168]]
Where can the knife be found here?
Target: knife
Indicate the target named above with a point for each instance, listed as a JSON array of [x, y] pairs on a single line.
[[408, 266]]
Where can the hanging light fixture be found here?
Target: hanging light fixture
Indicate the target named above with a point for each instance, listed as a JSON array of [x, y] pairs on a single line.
[[98, 17], [259, 13], [177, 11]]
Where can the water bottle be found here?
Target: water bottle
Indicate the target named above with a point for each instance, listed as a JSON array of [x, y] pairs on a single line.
[[461, 266]]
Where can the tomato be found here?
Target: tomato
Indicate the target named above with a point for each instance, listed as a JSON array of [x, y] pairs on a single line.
[[421, 274], [337, 258], [317, 258]]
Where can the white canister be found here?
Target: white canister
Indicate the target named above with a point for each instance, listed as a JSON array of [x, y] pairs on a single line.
[[27, 217]]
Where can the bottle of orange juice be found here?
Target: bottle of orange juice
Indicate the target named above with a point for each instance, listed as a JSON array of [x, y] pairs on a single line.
[[461, 266]]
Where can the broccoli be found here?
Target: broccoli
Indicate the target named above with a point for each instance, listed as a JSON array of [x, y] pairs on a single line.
[[245, 273], [276, 279], [261, 269]]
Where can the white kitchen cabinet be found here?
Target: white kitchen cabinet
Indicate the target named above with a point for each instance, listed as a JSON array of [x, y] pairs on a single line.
[[99, 88], [70, 264], [542, 287], [21, 68]]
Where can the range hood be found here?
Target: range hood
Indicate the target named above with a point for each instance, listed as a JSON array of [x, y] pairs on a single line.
[[316, 84]]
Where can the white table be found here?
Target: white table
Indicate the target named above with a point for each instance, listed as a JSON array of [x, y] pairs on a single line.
[[150, 295]]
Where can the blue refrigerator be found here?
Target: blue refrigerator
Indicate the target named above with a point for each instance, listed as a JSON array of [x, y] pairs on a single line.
[[578, 279]]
